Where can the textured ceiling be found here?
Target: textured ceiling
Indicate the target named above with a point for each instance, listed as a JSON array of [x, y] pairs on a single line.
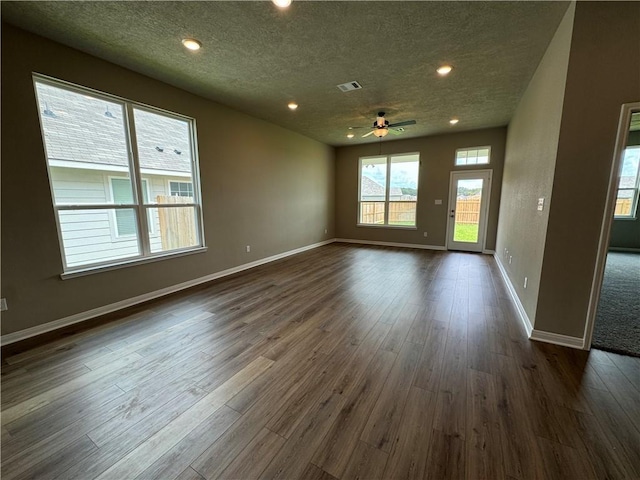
[[256, 58]]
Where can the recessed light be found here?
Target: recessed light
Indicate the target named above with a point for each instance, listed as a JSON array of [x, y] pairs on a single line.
[[281, 3], [350, 135], [444, 69], [192, 44], [453, 121], [292, 105]]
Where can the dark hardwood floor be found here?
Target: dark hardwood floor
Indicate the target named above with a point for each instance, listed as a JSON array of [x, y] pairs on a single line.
[[343, 362]]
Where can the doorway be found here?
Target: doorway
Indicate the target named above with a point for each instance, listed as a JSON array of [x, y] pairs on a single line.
[[468, 207]]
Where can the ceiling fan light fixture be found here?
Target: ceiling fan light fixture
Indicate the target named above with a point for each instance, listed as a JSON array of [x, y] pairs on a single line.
[[191, 44], [444, 70], [381, 132], [453, 121], [281, 3], [350, 135], [292, 105]]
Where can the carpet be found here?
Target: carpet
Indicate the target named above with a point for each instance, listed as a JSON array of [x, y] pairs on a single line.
[[617, 327]]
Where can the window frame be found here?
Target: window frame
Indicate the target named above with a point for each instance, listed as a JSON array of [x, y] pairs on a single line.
[[169, 182], [388, 192], [467, 149], [135, 173], [116, 235], [635, 198]]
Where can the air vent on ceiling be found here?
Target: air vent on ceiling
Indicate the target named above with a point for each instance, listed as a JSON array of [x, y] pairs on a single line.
[[347, 87]]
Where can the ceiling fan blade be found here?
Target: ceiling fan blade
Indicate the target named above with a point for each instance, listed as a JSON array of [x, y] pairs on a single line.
[[367, 134], [396, 131], [401, 124], [351, 128]]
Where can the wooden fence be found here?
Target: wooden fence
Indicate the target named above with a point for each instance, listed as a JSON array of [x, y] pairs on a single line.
[[177, 225], [468, 210], [623, 206], [400, 213]]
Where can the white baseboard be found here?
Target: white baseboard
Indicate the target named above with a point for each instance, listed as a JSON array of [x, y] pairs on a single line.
[[623, 249], [391, 244], [129, 302], [524, 318], [557, 339], [539, 335]]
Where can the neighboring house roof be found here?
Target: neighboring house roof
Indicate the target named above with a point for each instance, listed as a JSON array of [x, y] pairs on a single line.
[[370, 188], [627, 182], [79, 128]]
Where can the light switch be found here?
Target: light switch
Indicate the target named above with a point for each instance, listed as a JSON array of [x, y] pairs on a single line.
[[438, 202], [541, 204]]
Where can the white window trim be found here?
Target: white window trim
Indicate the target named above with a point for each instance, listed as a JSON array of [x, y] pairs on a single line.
[[387, 192], [471, 165], [135, 172]]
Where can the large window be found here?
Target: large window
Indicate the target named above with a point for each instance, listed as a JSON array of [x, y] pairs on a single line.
[[627, 198], [473, 156], [98, 148], [388, 192]]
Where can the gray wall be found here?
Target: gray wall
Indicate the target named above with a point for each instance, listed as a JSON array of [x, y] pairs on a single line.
[[626, 233], [437, 154], [262, 186], [603, 73], [532, 143]]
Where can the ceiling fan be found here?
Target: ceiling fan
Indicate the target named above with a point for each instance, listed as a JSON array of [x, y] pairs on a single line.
[[381, 127]]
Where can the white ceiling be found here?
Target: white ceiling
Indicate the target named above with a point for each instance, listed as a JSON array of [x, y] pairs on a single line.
[[256, 58]]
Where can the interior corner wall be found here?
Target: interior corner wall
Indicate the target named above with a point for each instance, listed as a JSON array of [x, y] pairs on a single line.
[[437, 157], [262, 185], [532, 142], [603, 73]]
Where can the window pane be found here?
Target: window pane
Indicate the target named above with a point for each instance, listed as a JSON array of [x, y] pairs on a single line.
[[473, 156], [402, 213], [373, 179], [181, 189], [467, 216], [628, 186], [372, 213], [85, 139], [164, 144], [403, 188], [630, 164], [483, 155], [176, 226], [88, 236], [624, 202]]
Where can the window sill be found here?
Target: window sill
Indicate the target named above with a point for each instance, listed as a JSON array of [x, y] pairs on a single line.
[[129, 263], [392, 227], [625, 218]]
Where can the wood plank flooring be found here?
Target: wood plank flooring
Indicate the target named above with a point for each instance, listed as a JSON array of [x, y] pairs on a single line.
[[343, 362]]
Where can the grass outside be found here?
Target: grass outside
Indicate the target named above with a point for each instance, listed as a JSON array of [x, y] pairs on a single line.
[[465, 232]]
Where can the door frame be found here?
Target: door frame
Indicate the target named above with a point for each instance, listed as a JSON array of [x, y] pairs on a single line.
[[607, 220], [484, 209]]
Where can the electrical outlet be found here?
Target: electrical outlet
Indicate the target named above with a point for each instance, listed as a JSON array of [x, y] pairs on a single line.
[[424, 233], [249, 249], [510, 257], [325, 231], [525, 282], [3, 304]]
